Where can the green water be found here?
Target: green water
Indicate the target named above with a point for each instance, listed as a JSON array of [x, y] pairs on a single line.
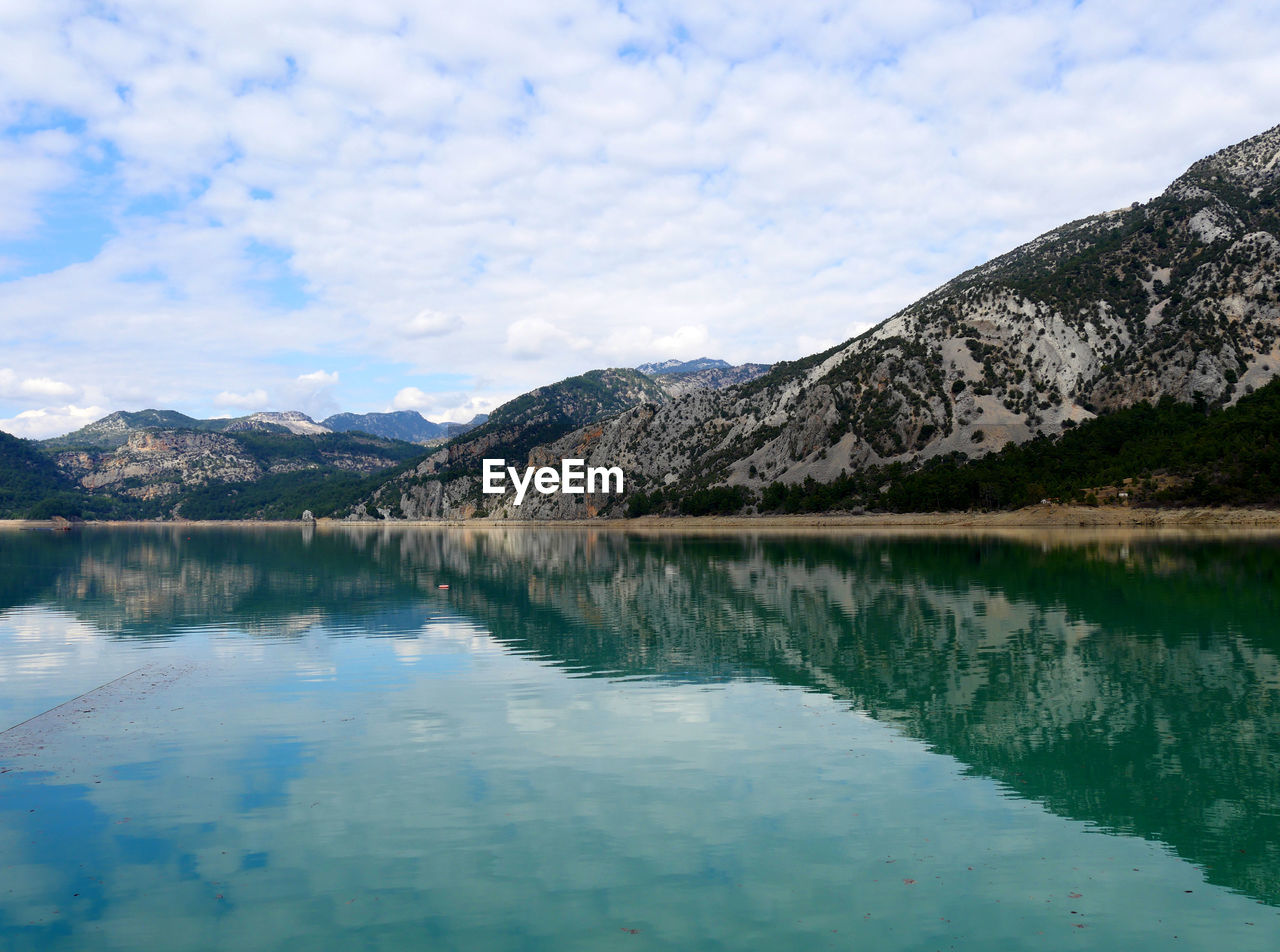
[[278, 739]]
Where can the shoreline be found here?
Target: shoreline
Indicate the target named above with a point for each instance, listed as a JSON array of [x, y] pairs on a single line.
[[1031, 517]]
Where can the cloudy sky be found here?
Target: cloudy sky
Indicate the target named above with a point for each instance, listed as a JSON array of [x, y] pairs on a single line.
[[237, 205]]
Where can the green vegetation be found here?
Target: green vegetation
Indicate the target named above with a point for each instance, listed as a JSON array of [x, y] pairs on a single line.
[[716, 501], [645, 504], [75, 503], [279, 496], [27, 476]]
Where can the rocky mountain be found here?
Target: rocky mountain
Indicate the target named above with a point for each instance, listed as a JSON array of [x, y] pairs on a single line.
[[148, 463], [678, 383], [156, 462], [1178, 297], [531, 418], [408, 425]]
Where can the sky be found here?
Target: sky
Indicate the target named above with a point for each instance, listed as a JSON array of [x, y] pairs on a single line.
[[223, 207]]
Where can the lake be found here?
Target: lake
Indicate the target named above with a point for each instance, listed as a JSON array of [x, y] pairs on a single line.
[[298, 738]]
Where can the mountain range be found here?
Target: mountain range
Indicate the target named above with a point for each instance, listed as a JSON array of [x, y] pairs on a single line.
[[1175, 299], [114, 429], [163, 463]]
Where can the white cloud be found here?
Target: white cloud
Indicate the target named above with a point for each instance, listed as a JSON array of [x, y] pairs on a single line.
[[636, 343], [411, 398], [429, 323], [786, 175], [13, 386], [319, 379], [253, 400], [683, 341], [533, 337], [312, 393], [463, 411], [30, 166], [51, 421]]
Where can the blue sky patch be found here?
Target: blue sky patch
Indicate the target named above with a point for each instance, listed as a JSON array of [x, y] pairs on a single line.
[[74, 227], [274, 279]]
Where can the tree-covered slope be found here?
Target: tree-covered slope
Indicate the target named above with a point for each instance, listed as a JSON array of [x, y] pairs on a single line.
[[26, 476]]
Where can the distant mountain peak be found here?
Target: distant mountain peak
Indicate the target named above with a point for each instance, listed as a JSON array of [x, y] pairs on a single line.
[[295, 421], [114, 428], [677, 366], [408, 425]]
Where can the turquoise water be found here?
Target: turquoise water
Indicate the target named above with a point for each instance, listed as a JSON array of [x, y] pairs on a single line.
[[277, 739]]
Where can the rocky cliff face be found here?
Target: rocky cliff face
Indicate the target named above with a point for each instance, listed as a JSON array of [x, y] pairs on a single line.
[[1179, 296], [155, 463]]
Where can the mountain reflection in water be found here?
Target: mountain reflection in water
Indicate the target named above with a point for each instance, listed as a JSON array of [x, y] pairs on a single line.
[[1133, 684]]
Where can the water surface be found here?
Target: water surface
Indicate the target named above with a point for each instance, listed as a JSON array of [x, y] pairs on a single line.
[[278, 739]]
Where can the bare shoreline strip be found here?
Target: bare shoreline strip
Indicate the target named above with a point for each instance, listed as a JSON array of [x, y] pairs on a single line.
[[1212, 520]]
